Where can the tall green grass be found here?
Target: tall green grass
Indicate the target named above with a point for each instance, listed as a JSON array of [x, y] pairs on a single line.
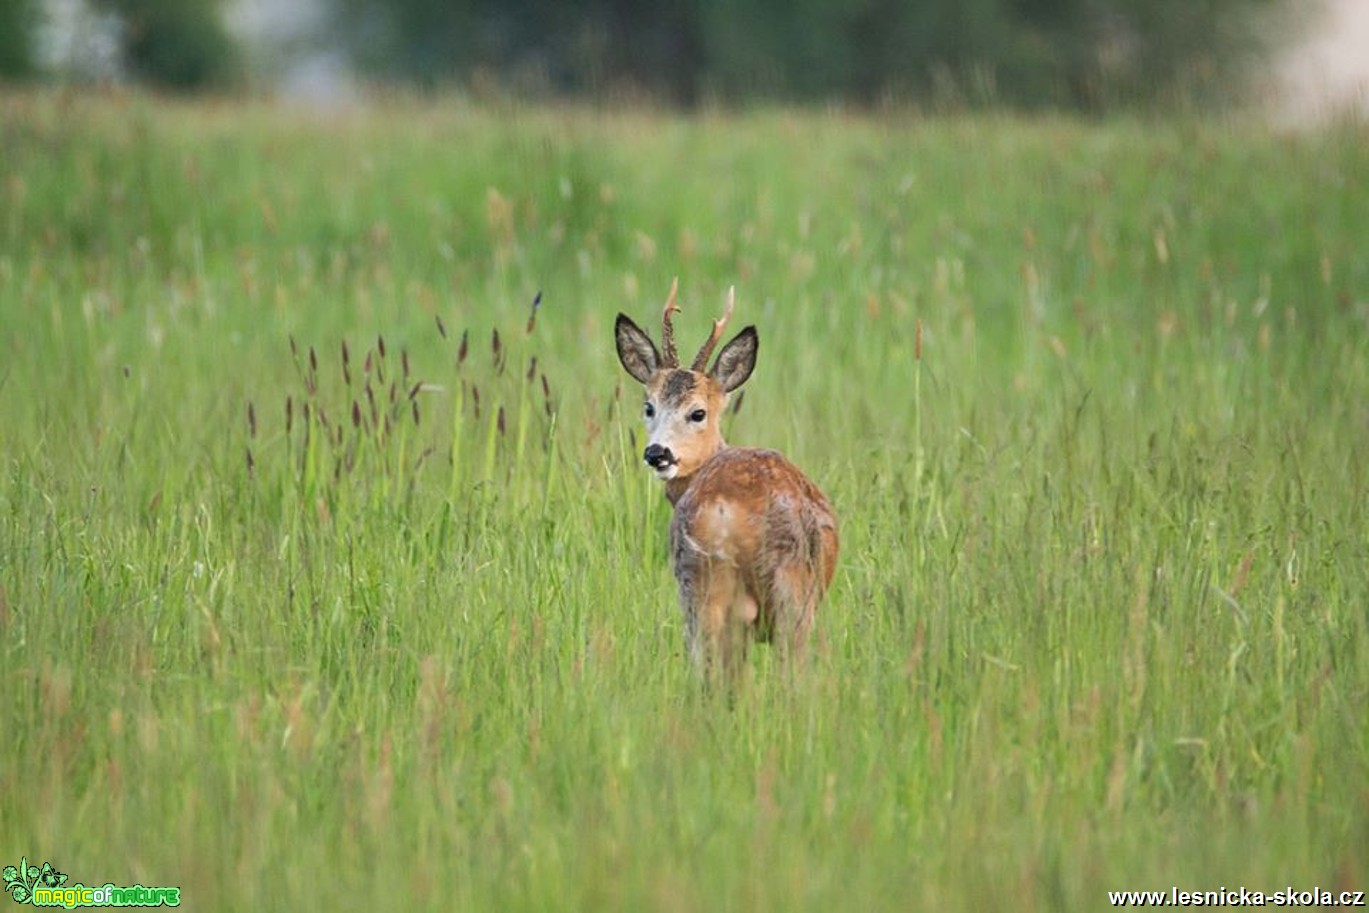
[[1100, 620]]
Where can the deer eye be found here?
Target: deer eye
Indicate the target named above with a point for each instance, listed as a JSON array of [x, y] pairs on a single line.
[[650, 411], [698, 415]]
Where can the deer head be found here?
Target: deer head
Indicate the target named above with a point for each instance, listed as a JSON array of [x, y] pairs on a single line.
[[683, 405]]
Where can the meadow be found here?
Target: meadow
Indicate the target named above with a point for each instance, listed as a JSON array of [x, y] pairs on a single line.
[[331, 577]]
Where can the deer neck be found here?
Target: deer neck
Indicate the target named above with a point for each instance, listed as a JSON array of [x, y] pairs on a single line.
[[676, 487]]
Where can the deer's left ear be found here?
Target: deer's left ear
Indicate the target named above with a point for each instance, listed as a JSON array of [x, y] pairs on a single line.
[[737, 360]]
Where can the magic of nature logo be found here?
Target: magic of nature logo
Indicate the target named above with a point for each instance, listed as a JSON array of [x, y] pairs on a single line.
[[46, 887]]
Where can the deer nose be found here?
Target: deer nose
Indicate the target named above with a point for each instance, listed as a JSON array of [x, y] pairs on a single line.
[[658, 457]]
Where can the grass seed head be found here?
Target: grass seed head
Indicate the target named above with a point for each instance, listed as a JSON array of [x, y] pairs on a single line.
[[532, 314]]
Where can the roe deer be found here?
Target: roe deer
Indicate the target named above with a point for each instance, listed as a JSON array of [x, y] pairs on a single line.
[[753, 541]]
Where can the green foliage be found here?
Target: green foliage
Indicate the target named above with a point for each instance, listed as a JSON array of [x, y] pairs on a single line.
[[1085, 54], [1089, 398], [16, 38], [176, 44]]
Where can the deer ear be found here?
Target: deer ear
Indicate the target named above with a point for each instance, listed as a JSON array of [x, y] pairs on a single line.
[[635, 349], [737, 360]]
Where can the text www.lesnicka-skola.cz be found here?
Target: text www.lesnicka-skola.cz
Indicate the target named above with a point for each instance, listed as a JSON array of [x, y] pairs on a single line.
[[1237, 897]]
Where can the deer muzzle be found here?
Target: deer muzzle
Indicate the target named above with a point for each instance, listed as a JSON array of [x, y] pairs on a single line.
[[659, 458]]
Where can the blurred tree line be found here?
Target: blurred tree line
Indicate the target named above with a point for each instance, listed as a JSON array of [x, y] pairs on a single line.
[[180, 44], [17, 18], [176, 44], [1085, 54], [1082, 54]]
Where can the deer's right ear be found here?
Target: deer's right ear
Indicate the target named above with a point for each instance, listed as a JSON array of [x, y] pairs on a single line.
[[635, 349]]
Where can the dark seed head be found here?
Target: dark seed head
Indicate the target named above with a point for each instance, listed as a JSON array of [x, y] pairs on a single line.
[[441, 328], [532, 369], [463, 348], [356, 414], [251, 420], [289, 414], [380, 345], [532, 315], [500, 420]]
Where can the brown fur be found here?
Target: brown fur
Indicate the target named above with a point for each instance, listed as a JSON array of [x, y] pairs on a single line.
[[753, 541]]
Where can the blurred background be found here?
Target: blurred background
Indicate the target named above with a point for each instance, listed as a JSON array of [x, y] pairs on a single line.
[[1297, 58]]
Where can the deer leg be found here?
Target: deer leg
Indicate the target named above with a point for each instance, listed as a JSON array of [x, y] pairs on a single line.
[[797, 592], [715, 626]]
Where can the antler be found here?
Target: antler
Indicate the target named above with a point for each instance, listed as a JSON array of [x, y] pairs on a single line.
[[669, 356], [701, 360]]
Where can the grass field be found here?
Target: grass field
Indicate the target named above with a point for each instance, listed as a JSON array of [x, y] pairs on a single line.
[[1101, 617]]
